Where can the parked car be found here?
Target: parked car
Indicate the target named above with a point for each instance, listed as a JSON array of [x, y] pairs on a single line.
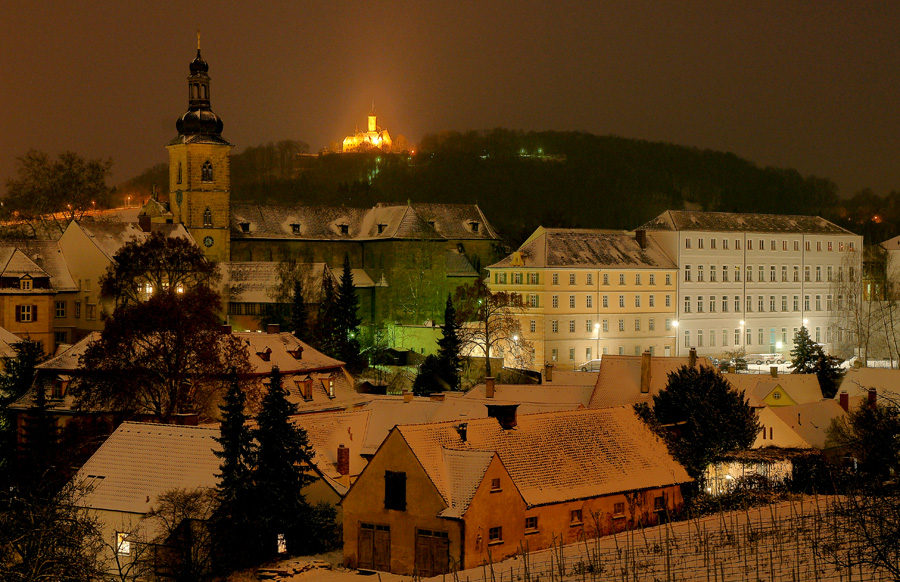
[[590, 366], [764, 358], [738, 363]]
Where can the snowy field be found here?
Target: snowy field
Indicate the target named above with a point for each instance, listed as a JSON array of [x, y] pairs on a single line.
[[767, 544]]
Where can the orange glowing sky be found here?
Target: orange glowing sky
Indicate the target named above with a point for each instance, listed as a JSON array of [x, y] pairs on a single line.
[[810, 85]]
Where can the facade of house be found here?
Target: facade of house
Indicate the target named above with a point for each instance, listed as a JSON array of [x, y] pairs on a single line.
[[590, 293], [36, 293], [751, 281], [452, 495]]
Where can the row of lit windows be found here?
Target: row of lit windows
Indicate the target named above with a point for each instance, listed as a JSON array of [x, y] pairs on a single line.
[[760, 244], [532, 301], [517, 278], [707, 338], [589, 355], [603, 326], [711, 304], [786, 275]]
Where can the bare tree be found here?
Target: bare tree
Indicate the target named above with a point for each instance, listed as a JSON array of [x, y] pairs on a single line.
[[491, 327]]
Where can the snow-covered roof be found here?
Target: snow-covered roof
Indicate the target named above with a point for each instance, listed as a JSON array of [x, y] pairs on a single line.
[[141, 461], [586, 248], [382, 222], [811, 420], [619, 379], [695, 220], [112, 236], [556, 456]]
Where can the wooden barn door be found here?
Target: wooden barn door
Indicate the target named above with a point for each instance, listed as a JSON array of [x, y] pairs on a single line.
[[374, 547], [432, 552]]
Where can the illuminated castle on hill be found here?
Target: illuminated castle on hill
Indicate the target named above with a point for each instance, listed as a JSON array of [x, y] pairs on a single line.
[[373, 138]]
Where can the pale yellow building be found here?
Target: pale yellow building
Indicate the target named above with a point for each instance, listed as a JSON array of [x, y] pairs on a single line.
[[589, 293]]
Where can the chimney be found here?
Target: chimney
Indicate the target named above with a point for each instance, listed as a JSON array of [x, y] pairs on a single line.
[[504, 413], [873, 398], [489, 387], [343, 460], [640, 236], [548, 372], [774, 371], [187, 418], [845, 401], [273, 328], [645, 372], [407, 396], [692, 361], [226, 328], [144, 222], [463, 429], [437, 396]]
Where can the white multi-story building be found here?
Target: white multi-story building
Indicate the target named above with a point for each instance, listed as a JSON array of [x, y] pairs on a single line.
[[752, 280], [590, 292]]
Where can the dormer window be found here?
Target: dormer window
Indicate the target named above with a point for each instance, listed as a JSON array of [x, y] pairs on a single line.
[[245, 226], [473, 226], [432, 224], [26, 284], [295, 228], [206, 173], [296, 353], [329, 385], [381, 228], [207, 217], [345, 228], [265, 355]]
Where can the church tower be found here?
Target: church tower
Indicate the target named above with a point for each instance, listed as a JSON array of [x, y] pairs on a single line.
[[200, 169]]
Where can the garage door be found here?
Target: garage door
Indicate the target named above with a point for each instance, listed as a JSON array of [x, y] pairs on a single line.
[[432, 552], [374, 547]]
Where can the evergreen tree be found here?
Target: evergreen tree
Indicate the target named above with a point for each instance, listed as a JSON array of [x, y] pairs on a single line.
[[17, 377], [299, 313], [808, 357], [234, 527], [428, 378], [805, 353], [325, 333], [347, 320], [282, 456], [449, 346], [712, 419]]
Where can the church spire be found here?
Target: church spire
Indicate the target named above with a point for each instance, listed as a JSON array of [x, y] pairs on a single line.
[[199, 118]]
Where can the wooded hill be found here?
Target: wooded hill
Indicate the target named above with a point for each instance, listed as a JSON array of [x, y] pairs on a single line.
[[523, 180]]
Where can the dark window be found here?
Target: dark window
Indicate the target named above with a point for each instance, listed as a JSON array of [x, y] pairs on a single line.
[[619, 508], [295, 228], [381, 228], [495, 484], [659, 503], [531, 523], [495, 535], [395, 490], [206, 173], [345, 228], [207, 217], [179, 173], [575, 514]]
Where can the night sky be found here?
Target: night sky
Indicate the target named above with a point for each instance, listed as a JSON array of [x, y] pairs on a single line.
[[809, 85]]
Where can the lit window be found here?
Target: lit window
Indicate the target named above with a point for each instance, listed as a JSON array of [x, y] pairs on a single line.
[[123, 546]]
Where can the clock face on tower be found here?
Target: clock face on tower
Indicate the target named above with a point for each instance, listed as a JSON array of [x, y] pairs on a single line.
[[207, 241]]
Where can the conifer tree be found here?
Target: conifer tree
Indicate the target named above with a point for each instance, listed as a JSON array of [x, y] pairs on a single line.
[[17, 377], [347, 320], [282, 456], [41, 440], [325, 332], [234, 531], [449, 347], [805, 353], [299, 313]]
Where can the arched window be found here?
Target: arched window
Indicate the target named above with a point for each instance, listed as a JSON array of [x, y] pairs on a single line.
[[207, 217], [206, 174], [179, 173]]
